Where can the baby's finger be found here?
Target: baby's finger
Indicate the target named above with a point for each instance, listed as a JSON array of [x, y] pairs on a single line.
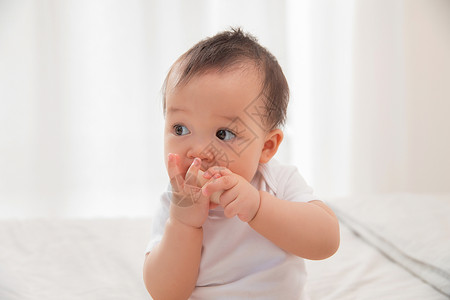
[[173, 169], [228, 196], [222, 183], [191, 175], [213, 205], [222, 171], [232, 208]]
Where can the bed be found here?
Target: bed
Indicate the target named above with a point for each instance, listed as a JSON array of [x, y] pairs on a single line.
[[392, 247]]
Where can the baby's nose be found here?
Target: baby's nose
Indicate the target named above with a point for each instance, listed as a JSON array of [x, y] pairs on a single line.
[[200, 150], [207, 152]]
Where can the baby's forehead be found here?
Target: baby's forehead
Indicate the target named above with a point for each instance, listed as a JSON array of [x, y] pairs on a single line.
[[218, 84], [178, 75]]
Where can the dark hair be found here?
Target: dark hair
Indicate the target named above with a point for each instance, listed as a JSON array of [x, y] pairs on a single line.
[[230, 49]]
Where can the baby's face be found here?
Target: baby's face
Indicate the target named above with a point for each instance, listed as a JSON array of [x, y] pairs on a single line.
[[217, 117]]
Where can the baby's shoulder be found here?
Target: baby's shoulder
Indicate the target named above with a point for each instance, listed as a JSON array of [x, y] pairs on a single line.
[[287, 182], [277, 170], [277, 174]]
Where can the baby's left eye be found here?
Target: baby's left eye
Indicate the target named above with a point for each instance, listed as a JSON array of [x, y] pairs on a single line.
[[225, 135]]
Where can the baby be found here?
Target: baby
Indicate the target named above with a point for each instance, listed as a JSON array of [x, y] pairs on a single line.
[[225, 102]]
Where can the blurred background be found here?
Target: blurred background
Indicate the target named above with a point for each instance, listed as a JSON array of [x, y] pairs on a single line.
[[80, 104]]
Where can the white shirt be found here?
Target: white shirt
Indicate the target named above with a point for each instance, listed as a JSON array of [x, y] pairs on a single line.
[[237, 262]]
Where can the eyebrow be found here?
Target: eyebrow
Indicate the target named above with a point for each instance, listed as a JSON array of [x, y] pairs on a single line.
[[182, 109], [175, 109], [232, 118]]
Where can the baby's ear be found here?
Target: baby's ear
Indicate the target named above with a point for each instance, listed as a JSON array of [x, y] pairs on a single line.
[[271, 144]]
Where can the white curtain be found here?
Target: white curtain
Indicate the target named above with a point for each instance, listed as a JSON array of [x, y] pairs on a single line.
[[80, 114], [371, 95]]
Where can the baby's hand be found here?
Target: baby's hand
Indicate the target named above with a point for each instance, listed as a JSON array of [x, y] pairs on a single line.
[[189, 205], [214, 197], [239, 197]]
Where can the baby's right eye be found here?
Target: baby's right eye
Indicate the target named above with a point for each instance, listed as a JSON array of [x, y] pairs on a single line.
[[180, 129]]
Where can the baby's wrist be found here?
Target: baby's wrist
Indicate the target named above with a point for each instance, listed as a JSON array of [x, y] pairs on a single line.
[[258, 206], [174, 222]]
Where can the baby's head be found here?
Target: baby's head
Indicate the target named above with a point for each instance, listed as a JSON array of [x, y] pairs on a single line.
[[225, 101]]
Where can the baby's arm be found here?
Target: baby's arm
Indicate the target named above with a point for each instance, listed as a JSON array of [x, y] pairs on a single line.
[[309, 230], [171, 268]]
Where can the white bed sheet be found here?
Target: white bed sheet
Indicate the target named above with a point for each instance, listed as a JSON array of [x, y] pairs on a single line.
[[103, 259], [393, 246], [73, 259], [359, 271]]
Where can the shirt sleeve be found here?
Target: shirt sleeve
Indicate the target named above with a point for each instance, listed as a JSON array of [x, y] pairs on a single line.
[[160, 218], [293, 187]]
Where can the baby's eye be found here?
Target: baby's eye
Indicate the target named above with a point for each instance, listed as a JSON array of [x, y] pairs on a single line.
[[180, 129], [225, 135]]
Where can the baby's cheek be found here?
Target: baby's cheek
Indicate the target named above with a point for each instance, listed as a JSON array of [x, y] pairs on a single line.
[[247, 173]]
